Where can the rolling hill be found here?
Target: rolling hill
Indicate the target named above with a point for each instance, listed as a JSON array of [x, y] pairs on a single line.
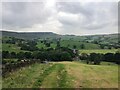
[[90, 41], [34, 35], [30, 35]]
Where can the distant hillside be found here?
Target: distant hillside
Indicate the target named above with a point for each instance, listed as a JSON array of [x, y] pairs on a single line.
[[89, 42], [30, 35], [43, 35], [113, 38]]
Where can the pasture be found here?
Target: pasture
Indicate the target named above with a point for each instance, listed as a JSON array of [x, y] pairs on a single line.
[[102, 51], [63, 75], [11, 48]]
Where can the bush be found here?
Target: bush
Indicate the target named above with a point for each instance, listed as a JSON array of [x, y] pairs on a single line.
[[65, 56], [109, 57], [84, 56], [117, 58], [95, 58]]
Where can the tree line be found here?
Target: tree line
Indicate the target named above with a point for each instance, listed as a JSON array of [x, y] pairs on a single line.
[[58, 54], [96, 58]]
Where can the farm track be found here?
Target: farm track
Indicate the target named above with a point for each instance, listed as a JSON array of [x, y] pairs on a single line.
[[57, 78], [43, 75], [63, 75]]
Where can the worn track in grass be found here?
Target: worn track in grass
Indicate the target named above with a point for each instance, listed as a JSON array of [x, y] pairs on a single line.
[[63, 75]]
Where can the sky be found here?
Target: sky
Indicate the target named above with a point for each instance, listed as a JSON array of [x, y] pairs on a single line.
[[78, 18]]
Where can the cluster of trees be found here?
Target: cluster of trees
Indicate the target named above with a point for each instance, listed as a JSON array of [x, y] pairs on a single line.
[[47, 44], [12, 40], [9, 41], [104, 46], [28, 45], [58, 54], [96, 58], [28, 58], [82, 46]]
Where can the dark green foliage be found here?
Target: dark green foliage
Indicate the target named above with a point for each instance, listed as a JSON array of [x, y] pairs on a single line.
[[109, 57], [95, 58], [65, 56], [28, 55], [29, 46], [95, 42], [10, 41], [4, 61], [117, 58], [70, 51], [5, 54], [13, 55], [82, 46], [21, 55], [47, 44], [59, 56], [74, 46], [102, 46], [84, 56], [49, 49], [92, 58], [58, 44]]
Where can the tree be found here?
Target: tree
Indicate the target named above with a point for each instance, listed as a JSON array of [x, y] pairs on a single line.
[[65, 56], [109, 47], [82, 46], [28, 55], [74, 46], [12, 55], [5, 54], [84, 56], [47, 44], [95, 42], [70, 51], [21, 55], [95, 58], [117, 58], [109, 57], [58, 44], [68, 45], [102, 46]]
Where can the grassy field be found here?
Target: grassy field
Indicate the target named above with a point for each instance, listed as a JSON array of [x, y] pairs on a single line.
[[103, 51], [65, 43], [11, 48], [42, 45], [63, 75], [69, 43]]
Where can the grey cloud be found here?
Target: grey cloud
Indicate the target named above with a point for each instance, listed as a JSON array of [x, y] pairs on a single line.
[[23, 14], [78, 16], [73, 7], [104, 13]]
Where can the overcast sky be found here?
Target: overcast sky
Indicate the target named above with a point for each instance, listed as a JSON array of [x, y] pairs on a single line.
[[61, 17]]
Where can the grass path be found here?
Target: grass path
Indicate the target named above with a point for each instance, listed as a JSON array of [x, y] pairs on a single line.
[[43, 75], [63, 75], [24, 77], [96, 76], [58, 78]]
